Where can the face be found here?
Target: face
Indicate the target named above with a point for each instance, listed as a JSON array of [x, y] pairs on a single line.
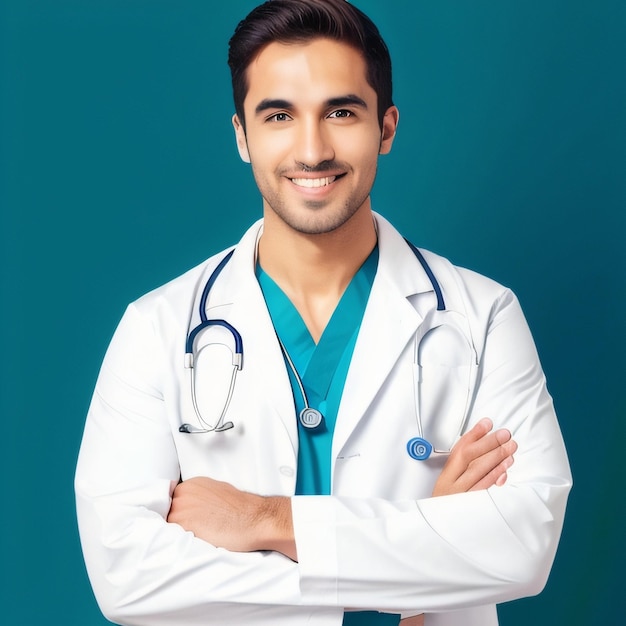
[[312, 133]]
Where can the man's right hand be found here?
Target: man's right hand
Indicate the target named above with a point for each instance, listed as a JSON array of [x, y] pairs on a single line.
[[479, 459]]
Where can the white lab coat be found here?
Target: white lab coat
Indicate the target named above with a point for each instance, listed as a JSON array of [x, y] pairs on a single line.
[[379, 541]]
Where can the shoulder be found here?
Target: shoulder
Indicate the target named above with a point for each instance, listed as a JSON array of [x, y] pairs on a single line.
[[467, 281], [179, 291], [405, 266]]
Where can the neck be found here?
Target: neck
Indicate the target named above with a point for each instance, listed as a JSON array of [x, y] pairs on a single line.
[[314, 270], [323, 263]]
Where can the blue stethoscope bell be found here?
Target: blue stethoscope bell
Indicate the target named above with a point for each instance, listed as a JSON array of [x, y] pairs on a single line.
[[419, 449], [311, 418]]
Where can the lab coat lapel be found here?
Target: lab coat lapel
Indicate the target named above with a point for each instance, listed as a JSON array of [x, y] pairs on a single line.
[[240, 296], [389, 325]]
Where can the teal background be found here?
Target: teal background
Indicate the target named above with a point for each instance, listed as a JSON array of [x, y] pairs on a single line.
[[118, 171]]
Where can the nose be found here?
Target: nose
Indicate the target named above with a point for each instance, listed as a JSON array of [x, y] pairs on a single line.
[[313, 144]]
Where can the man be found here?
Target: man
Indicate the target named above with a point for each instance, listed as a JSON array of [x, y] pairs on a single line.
[[281, 477]]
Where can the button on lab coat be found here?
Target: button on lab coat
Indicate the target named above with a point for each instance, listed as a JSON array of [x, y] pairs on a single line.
[[379, 542]]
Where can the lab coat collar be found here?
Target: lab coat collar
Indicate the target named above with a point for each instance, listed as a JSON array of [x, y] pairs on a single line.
[[388, 328], [389, 325], [397, 263]]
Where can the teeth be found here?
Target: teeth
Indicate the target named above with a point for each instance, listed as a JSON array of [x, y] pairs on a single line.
[[313, 182]]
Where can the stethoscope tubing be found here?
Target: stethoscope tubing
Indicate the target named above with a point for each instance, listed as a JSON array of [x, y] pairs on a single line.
[[202, 307], [205, 322], [418, 448], [441, 304]]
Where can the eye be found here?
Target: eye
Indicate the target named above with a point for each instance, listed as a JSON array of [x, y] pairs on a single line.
[[278, 117], [341, 113]]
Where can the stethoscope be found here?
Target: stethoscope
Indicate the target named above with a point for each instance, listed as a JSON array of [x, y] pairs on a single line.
[[459, 334], [237, 359], [418, 448]]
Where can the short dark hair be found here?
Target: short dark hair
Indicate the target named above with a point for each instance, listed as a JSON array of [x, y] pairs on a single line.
[[290, 21]]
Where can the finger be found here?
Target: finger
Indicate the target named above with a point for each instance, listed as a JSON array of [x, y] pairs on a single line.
[[501, 479], [497, 476], [488, 442], [469, 449], [463, 451], [479, 440], [479, 467], [470, 452], [479, 430], [484, 471]]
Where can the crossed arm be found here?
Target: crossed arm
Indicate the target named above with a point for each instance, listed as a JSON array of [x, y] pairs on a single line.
[[124, 486], [239, 521]]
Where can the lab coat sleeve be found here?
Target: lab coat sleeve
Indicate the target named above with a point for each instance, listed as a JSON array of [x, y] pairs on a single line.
[[144, 570], [452, 552]]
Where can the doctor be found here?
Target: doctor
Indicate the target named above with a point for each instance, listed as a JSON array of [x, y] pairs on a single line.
[[265, 477]]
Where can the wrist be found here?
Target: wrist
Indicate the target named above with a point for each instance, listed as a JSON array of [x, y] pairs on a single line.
[[275, 526]]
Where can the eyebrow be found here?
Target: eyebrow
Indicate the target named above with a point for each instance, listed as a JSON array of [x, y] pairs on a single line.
[[278, 103], [268, 103], [349, 100]]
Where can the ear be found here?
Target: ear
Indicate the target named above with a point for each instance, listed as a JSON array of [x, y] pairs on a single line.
[[240, 136], [390, 124]]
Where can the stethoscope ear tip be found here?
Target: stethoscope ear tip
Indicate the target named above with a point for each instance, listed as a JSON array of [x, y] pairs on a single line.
[[223, 427]]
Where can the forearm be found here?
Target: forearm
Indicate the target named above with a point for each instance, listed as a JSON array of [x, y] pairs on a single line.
[[236, 520], [146, 571], [224, 516], [488, 547], [461, 550]]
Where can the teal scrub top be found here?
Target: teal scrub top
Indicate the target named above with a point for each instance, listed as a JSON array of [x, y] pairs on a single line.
[[323, 368]]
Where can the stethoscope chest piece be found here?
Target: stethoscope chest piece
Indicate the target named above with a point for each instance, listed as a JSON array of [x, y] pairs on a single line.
[[419, 449], [311, 418]]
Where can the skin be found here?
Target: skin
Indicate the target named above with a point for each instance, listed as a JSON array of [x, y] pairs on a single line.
[[312, 116], [245, 522], [313, 139]]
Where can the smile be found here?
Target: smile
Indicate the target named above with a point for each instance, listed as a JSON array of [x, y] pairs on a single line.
[[314, 182]]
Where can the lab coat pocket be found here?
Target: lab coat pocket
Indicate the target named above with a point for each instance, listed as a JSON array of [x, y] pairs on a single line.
[[444, 380], [443, 399]]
